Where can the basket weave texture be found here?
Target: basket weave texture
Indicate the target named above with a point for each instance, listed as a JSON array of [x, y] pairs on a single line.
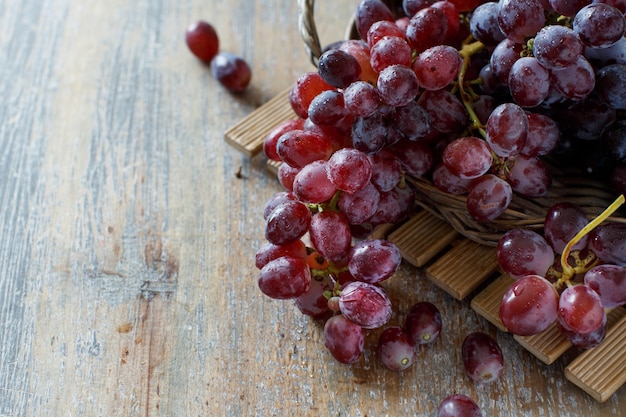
[[592, 195]]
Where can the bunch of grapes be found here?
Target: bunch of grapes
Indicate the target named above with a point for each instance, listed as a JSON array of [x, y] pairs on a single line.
[[474, 95], [571, 275]]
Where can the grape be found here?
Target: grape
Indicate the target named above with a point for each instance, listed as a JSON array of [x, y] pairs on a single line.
[[543, 135], [528, 176], [615, 139], [344, 339], [448, 182], [300, 147], [609, 281], [608, 242], [557, 46], [359, 206], [529, 306], [568, 7], [410, 120], [374, 260], [268, 252], [411, 7], [522, 252], [611, 85], [232, 71], [575, 81], [614, 54], [416, 157], [484, 24], [529, 82], [338, 68], [276, 199], [360, 50], [369, 12], [369, 134], [308, 86], [202, 40], [362, 99], [289, 221], [520, 19], [398, 85], [396, 349], [423, 323], [365, 304], [482, 357], [452, 17], [585, 340], [327, 108], [381, 29], [458, 405], [586, 119], [386, 170], [313, 302], [311, 184], [388, 51], [285, 278], [484, 106], [426, 29], [330, 234], [437, 67], [506, 129], [447, 113], [286, 174], [271, 139], [503, 57], [562, 222], [349, 169], [394, 205], [580, 309], [468, 157]]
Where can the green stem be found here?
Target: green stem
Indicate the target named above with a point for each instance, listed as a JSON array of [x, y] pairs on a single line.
[[466, 53], [568, 270]]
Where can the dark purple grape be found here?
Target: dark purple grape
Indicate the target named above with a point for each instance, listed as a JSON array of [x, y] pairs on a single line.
[[599, 25], [396, 349], [328, 108], [562, 222], [557, 46], [313, 302], [608, 242], [423, 322], [398, 85], [344, 339], [529, 82], [488, 198], [482, 357], [506, 129], [369, 12], [528, 176], [338, 68], [427, 28], [232, 71], [611, 85], [410, 120], [522, 252], [520, 19], [369, 134], [484, 24], [349, 169], [447, 113]]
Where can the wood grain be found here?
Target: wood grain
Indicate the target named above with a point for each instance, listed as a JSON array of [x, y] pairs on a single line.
[[126, 239]]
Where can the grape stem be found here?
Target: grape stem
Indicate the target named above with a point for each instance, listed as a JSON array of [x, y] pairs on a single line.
[[466, 53], [568, 270]]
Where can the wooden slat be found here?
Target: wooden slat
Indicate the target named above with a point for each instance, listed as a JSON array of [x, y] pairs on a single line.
[[547, 346], [247, 136], [422, 237], [602, 371], [487, 302], [462, 269]]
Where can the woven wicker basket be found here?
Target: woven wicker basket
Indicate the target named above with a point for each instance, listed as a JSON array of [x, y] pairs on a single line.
[[592, 195]]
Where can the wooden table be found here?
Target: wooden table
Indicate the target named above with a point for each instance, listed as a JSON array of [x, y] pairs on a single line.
[[127, 237]]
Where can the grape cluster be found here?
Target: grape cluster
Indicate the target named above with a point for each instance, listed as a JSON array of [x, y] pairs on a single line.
[[474, 95], [229, 69], [571, 275]]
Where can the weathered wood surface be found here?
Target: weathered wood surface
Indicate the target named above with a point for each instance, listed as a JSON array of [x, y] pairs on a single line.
[[127, 284]]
